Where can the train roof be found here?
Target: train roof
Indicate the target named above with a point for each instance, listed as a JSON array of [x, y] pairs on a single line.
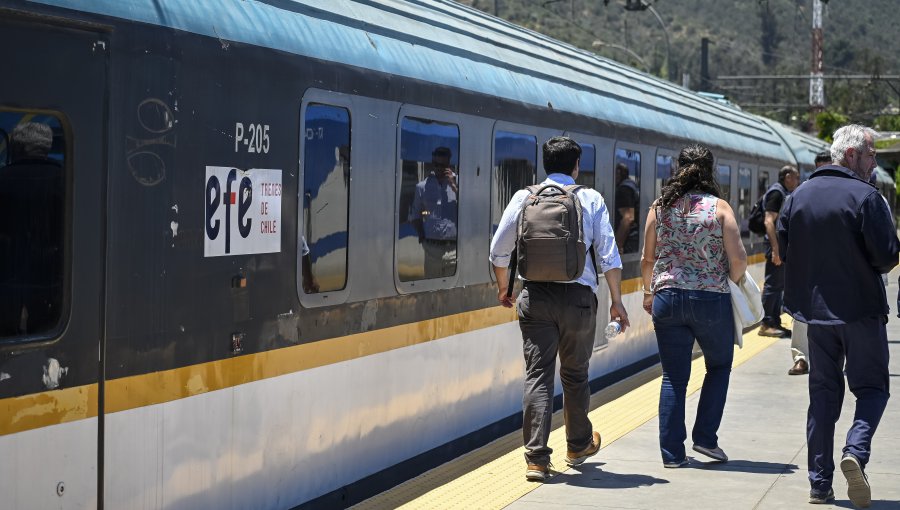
[[445, 42], [803, 146]]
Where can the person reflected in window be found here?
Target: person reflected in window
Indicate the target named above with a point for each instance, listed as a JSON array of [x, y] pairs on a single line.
[[434, 215], [31, 235], [310, 285], [627, 199]]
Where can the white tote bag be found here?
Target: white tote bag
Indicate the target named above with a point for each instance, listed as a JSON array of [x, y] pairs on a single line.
[[746, 305]]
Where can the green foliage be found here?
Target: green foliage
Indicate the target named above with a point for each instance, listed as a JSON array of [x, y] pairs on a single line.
[[828, 122], [887, 123], [770, 37]]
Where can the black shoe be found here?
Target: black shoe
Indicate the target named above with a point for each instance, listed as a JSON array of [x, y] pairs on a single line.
[[821, 497], [858, 489]]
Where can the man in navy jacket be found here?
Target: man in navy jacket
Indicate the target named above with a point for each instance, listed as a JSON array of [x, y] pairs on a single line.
[[838, 237]]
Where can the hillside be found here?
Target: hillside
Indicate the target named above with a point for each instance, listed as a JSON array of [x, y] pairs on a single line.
[[752, 37]]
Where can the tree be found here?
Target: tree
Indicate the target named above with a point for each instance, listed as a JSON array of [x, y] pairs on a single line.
[[828, 122]]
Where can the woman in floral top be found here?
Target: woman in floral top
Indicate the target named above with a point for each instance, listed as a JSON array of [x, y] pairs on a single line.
[[691, 245]]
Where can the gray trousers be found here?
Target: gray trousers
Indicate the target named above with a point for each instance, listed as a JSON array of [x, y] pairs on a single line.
[[556, 319]]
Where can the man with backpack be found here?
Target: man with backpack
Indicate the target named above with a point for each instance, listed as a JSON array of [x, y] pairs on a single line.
[[557, 233], [773, 288]]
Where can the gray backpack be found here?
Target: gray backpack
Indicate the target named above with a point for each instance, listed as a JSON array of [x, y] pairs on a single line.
[[550, 243]]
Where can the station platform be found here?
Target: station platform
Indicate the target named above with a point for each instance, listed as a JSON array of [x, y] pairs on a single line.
[[763, 432]]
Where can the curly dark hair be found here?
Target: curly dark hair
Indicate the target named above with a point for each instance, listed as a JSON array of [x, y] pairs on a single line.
[[695, 172]]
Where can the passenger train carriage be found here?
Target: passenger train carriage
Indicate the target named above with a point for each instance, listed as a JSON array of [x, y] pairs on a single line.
[[165, 342]]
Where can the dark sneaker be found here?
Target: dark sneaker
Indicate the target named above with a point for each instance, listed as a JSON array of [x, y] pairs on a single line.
[[799, 368], [537, 472], [676, 464], [858, 489], [713, 453], [576, 458], [770, 331], [821, 497]]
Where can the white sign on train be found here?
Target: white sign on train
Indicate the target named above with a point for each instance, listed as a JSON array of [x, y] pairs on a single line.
[[242, 211]]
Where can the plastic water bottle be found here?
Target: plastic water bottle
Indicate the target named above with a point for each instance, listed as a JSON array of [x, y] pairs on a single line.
[[613, 329]]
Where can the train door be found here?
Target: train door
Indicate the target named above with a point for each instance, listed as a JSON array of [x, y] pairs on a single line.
[[594, 172], [52, 182]]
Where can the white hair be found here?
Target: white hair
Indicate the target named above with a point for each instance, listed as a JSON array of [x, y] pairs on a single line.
[[851, 136]]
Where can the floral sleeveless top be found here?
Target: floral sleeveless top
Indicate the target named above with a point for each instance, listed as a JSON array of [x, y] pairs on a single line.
[[690, 251]]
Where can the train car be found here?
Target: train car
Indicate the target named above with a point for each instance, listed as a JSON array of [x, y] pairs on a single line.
[[216, 293]]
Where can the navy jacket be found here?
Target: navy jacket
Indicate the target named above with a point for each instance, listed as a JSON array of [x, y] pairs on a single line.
[[836, 237]]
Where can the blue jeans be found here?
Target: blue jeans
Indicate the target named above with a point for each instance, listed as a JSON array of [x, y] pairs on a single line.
[[679, 317]]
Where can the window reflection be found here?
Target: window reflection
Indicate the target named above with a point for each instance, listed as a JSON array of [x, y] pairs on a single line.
[[745, 201], [665, 170], [628, 197], [723, 173], [32, 205], [762, 182], [586, 172], [428, 209], [326, 197], [515, 167]]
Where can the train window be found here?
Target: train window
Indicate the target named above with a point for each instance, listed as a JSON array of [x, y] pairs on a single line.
[[762, 182], [326, 198], [428, 209], [32, 235], [515, 167], [628, 200], [744, 200], [586, 167], [665, 170], [723, 173]]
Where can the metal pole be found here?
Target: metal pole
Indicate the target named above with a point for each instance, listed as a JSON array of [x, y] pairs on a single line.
[[666, 33], [816, 81], [704, 64]]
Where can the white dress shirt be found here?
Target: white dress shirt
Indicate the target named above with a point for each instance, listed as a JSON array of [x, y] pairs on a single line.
[[595, 222]]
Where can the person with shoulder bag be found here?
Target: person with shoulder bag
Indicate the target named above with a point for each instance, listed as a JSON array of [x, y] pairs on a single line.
[[557, 307]]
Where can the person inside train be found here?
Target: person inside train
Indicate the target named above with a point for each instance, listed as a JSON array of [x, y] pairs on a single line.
[[692, 246], [627, 201], [32, 199], [773, 287], [838, 248], [309, 282], [560, 318], [434, 214]]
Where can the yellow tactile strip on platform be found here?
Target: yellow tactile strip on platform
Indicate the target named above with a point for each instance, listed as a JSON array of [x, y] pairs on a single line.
[[494, 476]]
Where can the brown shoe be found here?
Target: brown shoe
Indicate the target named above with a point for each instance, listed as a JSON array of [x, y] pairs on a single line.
[[576, 458], [537, 472], [771, 331], [799, 368]]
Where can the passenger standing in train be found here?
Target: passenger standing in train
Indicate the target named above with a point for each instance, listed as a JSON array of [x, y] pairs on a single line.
[[838, 238], [31, 235], [800, 336], [434, 213], [627, 200], [560, 318], [692, 245], [773, 288]]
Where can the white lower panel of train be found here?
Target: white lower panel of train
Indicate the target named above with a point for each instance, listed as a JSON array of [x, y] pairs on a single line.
[[50, 467], [279, 442], [282, 441]]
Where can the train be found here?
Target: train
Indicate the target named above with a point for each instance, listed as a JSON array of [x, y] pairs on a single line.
[[216, 294]]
